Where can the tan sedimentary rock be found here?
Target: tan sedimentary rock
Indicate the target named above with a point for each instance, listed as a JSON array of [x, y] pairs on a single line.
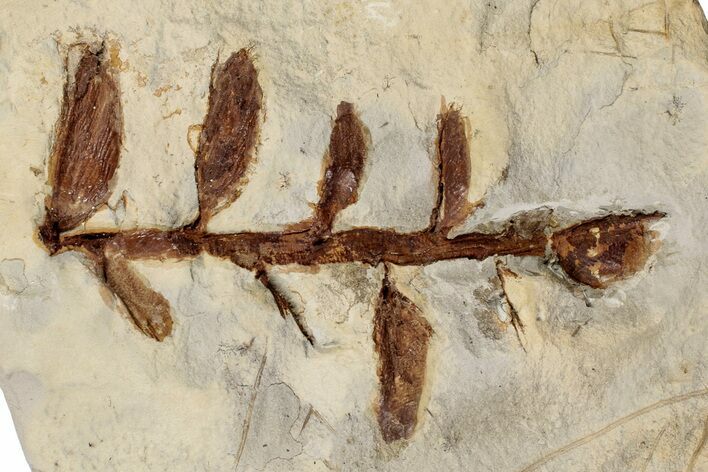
[[467, 236]]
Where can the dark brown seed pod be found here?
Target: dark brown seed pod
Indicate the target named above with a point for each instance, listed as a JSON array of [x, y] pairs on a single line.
[[401, 336], [605, 250], [344, 166], [228, 138], [149, 310], [452, 206], [87, 147]]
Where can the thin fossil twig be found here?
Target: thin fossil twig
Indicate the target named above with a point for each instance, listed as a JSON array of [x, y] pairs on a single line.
[[284, 306], [654, 446], [249, 412], [612, 426], [502, 273], [699, 447]]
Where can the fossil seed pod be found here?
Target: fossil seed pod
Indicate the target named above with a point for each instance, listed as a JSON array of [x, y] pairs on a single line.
[[602, 251], [454, 165], [228, 138], [401, 336], [149, 310], [344, 166], [87, 147]]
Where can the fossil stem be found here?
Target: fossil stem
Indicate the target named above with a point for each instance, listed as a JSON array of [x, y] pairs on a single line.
[[594, 252], [369, 246], [254, 250]]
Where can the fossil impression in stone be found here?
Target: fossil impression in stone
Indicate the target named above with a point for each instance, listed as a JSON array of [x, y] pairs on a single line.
[[86, 153]]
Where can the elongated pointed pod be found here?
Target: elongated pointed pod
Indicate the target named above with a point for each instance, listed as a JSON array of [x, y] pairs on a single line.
[[228, 138], [604, 250], [401, 336], [344, 167], [149, 310], [87, 146], [452, 206]]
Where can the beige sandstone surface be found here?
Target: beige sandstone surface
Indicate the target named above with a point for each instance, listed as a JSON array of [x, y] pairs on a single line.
[[582, 107]]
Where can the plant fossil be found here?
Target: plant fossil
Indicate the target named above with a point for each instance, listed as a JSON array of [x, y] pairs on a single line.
[[86, 153]]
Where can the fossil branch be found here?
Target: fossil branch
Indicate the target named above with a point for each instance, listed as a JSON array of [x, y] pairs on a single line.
[[85, 155]]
